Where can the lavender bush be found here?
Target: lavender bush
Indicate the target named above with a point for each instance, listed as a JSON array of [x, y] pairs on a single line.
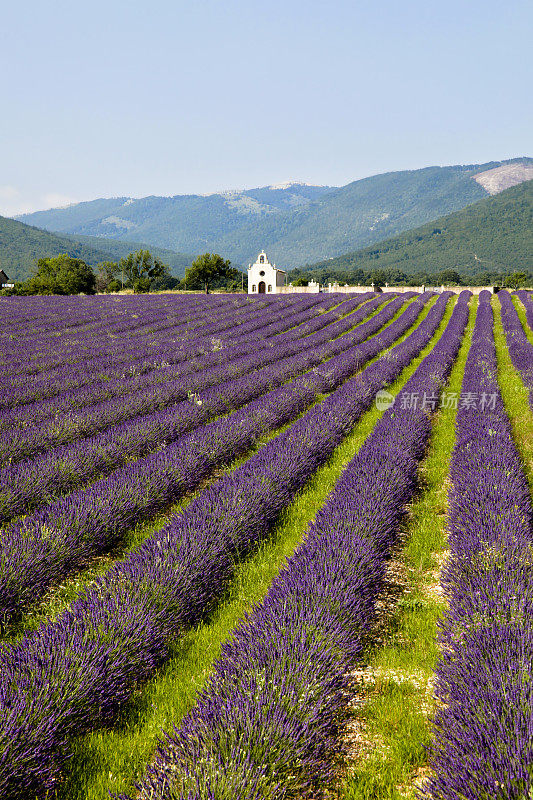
[[54, 541], [267, 723], [165, 364], [527, 302], [74, 673], [24, 442], [98, 355], [483, 744], [29, 483], [520, 348]]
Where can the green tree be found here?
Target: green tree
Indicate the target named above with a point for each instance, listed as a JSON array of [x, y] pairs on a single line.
[[378, 277], [61, 275], [164, 282], [235, 281], [300, 282], [515, 280], [206, 270], [448, 277], [106, 273], [140, 269]]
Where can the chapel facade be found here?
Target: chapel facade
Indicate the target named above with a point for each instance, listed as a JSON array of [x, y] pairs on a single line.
[[264, 277]]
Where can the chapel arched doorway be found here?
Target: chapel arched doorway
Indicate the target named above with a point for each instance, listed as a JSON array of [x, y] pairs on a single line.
[[261, 288]]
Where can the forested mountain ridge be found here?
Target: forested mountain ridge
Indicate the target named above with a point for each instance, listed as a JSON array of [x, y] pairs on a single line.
[[191, 218], [493, 235], [21, 245], [295, 222]]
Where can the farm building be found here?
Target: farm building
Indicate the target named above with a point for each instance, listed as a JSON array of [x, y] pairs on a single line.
[[4, 280]]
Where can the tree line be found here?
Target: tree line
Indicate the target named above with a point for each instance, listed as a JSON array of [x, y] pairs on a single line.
[[139, 271], [142, 272], [396, 277]]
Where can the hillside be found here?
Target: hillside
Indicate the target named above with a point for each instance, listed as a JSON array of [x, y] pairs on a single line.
[[21, 244], [115, 250], [295, 222], [493, 235]]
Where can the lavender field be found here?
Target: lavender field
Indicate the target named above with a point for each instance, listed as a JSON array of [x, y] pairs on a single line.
[[262, 548]]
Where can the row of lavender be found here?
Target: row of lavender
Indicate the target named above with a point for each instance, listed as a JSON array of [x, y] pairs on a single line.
[[28, 348], [520, 348], [97, 347], [527, 301], [124, 358], [29, 483], [137, 316], [103, 351], [484, 730], [44, 546], [58, 312], [169, 364], [23, 318], [266, 726], [75, 672], [51, 348], [124, 365]]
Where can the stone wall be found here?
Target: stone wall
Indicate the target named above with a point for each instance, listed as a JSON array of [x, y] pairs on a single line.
[[456, 289], [334, 287], [313, 288]]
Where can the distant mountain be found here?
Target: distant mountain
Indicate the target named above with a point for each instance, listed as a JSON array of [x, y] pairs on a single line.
[[201, 222], [493, 235], [21, 245], [295, 222]]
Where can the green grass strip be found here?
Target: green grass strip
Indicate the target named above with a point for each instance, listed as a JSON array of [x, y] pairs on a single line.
[[391, 726], [111, 759]]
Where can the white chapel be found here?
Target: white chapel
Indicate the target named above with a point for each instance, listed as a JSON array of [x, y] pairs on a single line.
[[264, 277]]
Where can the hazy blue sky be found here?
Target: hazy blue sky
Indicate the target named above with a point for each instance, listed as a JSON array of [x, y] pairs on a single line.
[[135, 98]]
